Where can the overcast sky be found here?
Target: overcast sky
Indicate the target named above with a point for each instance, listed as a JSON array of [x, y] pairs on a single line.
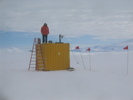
[[102, 19]]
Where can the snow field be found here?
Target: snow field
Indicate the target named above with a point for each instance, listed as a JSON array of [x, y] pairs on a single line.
[[108, 79]]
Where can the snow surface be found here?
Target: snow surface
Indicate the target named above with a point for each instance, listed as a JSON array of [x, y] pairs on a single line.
[[107, 80]]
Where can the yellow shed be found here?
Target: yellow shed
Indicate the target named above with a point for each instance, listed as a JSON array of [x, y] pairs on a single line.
[[52, 56]]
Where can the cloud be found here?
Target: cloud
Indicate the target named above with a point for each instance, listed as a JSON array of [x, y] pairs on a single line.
[[13, 49], [102, 18]]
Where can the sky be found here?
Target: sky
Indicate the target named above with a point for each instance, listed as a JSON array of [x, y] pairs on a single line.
[[82, 22]]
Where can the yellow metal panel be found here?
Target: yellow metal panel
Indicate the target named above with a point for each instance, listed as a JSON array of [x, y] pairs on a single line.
[[56, 56]]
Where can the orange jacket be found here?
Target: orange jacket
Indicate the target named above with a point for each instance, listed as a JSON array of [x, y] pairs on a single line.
[[45, 30]]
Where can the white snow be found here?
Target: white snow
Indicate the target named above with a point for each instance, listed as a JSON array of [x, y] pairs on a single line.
[[107, 80]]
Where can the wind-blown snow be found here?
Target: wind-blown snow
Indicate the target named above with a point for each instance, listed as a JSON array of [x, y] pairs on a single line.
[[108, 79]]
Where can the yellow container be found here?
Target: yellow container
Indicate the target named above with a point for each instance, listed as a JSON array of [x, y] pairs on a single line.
[[56, 56]]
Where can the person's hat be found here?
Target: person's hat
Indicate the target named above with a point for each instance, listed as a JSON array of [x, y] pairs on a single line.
[[45, 24]]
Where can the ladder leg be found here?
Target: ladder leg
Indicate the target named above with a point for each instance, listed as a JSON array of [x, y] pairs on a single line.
[[33, 52]]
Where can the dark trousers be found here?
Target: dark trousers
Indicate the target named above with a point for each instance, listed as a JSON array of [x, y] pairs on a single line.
[[44, 38]]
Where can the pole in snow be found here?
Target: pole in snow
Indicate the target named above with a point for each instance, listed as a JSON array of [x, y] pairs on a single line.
[[127, 60], [81, 56], [89, 57], [126, 48]]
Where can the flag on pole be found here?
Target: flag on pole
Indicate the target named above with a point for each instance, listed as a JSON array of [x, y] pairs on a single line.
[[88, 49], [77, 47], [125, 48]]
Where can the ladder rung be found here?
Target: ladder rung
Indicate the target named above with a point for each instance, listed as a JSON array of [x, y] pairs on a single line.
[[40, 68], [33, 54], [38, 51], [38, 44], [38, 54], [33, 57], [40, 64], [39, 57], [39, 61], [33, 61], [38, 47]]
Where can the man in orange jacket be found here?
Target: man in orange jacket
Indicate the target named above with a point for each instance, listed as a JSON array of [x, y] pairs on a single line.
[[45, 32]]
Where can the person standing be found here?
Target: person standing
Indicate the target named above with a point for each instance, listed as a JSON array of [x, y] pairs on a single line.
[[45, 32]]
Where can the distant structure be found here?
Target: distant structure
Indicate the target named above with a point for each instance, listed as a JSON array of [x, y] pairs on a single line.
[[49, 56]]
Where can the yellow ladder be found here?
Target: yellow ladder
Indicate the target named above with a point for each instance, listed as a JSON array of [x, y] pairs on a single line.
[[36, 59], [39, 58]]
